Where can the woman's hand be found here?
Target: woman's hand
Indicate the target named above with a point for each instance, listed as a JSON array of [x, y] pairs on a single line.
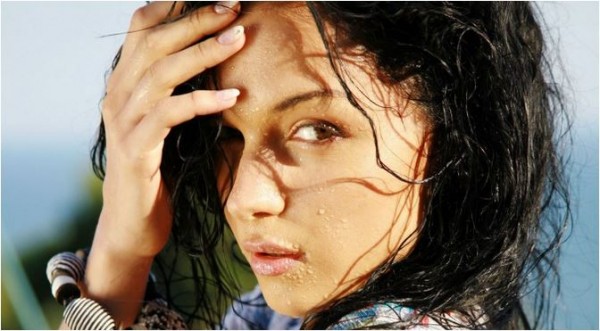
[[138, 113]]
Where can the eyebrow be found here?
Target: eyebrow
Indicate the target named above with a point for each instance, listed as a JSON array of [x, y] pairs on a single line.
[[304, 97]]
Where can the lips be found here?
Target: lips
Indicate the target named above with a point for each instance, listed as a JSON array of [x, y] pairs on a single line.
[[270, 259]]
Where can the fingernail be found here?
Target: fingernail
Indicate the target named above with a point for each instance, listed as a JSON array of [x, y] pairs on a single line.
[[231, 35], [224, 7], [227, 95]]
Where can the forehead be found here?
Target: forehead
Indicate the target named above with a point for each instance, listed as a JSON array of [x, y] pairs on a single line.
[[283, 54]]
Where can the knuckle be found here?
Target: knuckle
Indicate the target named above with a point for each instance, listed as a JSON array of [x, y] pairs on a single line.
[[156, 75], [156, 115], [197, 98], [111, 84], [109, 109], [202, 52], [156, 111], [195, 25], [112, 103], [196, 18], [201, 100], [139, 17], [107, 112], [151, 41], [152, 73], [160, 114]]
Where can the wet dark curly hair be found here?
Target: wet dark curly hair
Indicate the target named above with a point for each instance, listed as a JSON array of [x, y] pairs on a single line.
[[496, 203]]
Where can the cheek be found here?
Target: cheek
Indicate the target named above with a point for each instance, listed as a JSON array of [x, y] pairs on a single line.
[[360, 228], [351, 223]]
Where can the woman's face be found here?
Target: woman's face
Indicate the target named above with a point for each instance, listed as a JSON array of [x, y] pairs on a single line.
[[312, 211]]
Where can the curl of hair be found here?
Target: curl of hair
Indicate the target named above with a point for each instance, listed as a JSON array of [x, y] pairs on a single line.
[[496, 204]]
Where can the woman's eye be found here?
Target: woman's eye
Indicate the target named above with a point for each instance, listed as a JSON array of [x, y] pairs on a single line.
[[317, 132]]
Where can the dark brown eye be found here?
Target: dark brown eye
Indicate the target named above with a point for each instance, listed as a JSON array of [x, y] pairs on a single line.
[[316, 132]]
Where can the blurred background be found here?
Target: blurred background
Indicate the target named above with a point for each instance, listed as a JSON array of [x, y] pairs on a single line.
[[53, 65]]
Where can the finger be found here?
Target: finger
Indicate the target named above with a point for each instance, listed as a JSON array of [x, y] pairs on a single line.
[[147, 17], [155, 127], [153, 14], [180, 33], [161, 78], [171, 37]]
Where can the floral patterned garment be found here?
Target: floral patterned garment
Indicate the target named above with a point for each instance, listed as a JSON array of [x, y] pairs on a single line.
[[388, 316], [252, 312]]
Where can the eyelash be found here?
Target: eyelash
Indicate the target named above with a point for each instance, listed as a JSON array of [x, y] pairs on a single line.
[[227, 133], [333, 131]]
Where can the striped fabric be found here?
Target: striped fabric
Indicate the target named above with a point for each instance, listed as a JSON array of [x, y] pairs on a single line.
[[86, 314]]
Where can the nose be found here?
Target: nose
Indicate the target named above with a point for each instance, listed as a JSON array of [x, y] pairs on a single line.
[[256, 192]]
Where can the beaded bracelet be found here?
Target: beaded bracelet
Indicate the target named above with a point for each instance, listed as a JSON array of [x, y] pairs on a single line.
[[66, 270]]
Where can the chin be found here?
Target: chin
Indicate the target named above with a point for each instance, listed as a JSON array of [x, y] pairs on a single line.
[[284, 301]]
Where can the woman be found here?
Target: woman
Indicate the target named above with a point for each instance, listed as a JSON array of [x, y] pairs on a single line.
[[379, 164]]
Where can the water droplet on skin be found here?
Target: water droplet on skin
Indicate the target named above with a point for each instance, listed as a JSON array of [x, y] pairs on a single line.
[[321, 211]]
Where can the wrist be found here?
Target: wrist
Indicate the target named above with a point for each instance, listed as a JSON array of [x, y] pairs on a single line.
[[65, 272], [117, 281], [124, 234]]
